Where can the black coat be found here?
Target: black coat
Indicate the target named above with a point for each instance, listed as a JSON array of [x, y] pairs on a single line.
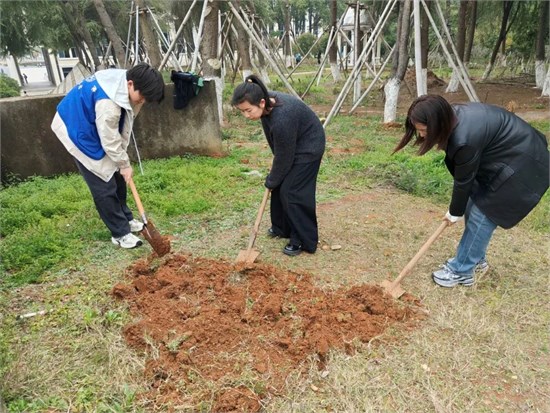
[[498, 160]]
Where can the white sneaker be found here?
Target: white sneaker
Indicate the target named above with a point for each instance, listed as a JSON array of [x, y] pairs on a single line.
[[127, 241], [135, 225]]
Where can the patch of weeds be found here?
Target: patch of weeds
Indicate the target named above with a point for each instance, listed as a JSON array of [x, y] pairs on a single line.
[[89, 317], [22, 405], [112, 318], [174, 344], [289, 308]]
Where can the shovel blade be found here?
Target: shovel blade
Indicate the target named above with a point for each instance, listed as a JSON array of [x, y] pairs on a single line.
[[160, 244], [392, 289], [247, 256]]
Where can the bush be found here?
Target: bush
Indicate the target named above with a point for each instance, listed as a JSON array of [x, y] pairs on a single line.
[[305, 41], [8, 87]]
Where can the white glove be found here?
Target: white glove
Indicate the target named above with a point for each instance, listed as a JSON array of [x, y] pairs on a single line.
[[451, 218]]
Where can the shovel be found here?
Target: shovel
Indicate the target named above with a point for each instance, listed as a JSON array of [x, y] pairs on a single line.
[[160, 244], [392, 287], [249, 255]]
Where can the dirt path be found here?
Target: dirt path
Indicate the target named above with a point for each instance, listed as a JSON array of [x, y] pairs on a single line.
[[517, 95]]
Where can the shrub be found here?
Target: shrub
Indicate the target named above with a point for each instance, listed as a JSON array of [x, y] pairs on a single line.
[[8, 87], [305, 41]]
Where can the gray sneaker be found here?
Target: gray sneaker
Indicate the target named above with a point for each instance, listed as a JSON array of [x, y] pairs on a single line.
[[482, 266], [445, 277]]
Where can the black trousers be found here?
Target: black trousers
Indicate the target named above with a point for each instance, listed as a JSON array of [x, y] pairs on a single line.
[[110, 200], [293, 213]]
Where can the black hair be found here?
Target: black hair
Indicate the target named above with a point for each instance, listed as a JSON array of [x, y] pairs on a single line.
[[252, 91], [438, 116], [148, 81]]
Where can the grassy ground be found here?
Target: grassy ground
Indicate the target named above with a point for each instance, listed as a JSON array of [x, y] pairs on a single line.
[[482, 349]]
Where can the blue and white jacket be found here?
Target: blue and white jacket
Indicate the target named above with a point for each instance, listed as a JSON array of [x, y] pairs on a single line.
[[94, 122]]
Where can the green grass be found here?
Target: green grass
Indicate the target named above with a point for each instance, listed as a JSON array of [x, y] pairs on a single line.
[[48, 224]]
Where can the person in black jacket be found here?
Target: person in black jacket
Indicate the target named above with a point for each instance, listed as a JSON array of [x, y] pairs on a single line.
[[297, 140], [500, 167]]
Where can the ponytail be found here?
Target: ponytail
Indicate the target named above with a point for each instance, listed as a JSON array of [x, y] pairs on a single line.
[[252, 91]]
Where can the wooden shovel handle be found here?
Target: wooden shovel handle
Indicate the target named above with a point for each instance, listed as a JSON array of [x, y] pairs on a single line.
[[421, 252], [256, 228], [137, 199]]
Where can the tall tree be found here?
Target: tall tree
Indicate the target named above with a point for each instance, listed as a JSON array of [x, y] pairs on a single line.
[[333, 50], [17, 31], [211, 64], [460, 44], [150, 41], [425, 40], [243, 43], [546, 86], [540, 47], [505, 24], [287, 31], [78, 28], [470, 31], [257, 17], [401, 58], [111, 32]]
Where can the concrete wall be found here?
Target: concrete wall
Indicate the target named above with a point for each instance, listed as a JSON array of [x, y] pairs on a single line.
[[29, 147]]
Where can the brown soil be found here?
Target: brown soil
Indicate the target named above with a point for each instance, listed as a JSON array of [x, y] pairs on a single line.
[[159, 243], [215, 321]]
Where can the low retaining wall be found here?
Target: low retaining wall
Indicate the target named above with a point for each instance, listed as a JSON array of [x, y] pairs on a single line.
[[29, 147]]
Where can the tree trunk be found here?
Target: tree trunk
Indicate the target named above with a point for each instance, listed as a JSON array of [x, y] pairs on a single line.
[[243, 46], [540, 53], [452, 87], [424, 34], [425, 41], [333, 50], [391, 88], [546, 86], [211, 65], [149, 39], [262, 64], [471, 22], [109, 28], [79, 32], [287, 51], [506, 9]]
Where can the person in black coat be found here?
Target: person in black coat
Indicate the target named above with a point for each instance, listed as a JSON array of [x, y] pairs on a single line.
[[500, 167], [297, 140]]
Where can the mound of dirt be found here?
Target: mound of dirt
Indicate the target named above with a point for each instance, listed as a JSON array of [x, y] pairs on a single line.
[[228, 335]]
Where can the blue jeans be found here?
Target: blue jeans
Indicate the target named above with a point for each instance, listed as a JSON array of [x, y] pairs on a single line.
[[475, 239]]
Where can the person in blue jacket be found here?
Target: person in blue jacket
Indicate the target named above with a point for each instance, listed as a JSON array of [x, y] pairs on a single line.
[[94, 122], [500, 168]]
